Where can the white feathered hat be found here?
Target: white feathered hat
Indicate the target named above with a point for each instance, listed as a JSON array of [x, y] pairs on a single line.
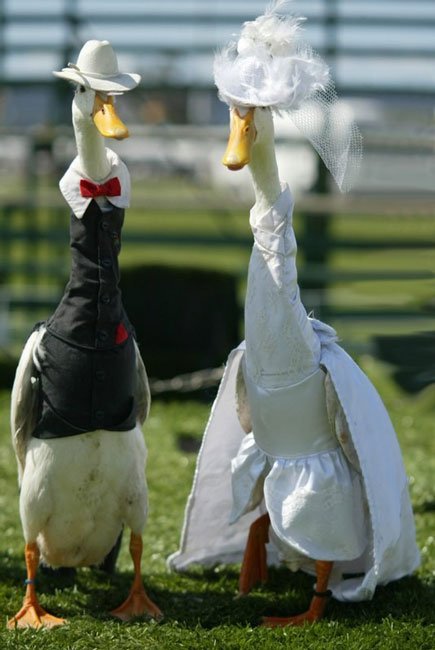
[[97, 68], [271, 66]]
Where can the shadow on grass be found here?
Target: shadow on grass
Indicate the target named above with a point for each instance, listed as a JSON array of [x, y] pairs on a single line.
[[12, 568], [425, 507], [207, 598]]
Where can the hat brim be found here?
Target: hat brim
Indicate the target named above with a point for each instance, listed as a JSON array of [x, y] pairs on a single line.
[[233, 100], [121, 83]]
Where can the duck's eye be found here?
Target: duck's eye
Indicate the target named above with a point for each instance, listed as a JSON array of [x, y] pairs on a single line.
[[82, 89]]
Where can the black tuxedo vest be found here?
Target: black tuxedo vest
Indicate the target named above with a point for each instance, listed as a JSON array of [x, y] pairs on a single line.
[[87, 357]]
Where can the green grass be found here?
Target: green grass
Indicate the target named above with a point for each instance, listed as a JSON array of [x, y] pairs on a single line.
[[200, 610]]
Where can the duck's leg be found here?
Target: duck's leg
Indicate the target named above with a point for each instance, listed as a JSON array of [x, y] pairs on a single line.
[[254, 565], [109, 563], [137, 603], [318, 601], [32, 614]]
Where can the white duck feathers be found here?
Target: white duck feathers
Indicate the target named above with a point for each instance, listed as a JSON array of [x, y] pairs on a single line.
[[76, 492]]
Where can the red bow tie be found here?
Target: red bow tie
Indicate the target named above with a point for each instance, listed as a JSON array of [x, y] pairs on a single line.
[[90, 190]]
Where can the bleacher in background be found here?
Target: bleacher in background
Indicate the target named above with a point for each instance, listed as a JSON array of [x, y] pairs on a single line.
[[171, 42]]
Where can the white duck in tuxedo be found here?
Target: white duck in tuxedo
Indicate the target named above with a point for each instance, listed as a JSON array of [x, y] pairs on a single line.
[[299, 449], [81, 392]]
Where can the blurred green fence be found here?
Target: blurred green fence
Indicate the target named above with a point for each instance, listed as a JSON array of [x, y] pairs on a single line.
[[374, 261], [366, 262]]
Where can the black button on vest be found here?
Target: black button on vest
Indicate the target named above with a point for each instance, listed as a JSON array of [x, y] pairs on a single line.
[[88, 380]]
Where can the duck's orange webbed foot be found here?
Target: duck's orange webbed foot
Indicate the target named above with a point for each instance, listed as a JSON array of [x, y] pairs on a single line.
[[137, 603], [317, 605], [254, 565], [32, 614], [312, 615]]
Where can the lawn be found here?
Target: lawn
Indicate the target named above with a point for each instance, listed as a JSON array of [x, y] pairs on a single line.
[[200, 610]]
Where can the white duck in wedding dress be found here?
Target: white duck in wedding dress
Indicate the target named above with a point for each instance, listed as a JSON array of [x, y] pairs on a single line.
[[299, 449]]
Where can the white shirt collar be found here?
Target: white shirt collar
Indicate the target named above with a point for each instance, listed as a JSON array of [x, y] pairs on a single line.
[[70, 185]]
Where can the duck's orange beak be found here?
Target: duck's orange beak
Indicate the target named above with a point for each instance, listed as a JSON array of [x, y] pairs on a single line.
[[106, 118], [242, 137]]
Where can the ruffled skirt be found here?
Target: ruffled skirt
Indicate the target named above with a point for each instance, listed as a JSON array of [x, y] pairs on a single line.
[[315, 502]]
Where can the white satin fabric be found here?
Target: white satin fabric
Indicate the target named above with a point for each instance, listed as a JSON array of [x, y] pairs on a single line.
[[315, 503], [292, 459], [291, 421], [350, 503], [281, 347]]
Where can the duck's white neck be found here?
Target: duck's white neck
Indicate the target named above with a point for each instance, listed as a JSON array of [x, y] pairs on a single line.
[[90, 143], [265, 176], [91, 151]]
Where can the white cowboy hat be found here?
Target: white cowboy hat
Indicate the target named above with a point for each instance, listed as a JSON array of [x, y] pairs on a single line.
[[97, 68]]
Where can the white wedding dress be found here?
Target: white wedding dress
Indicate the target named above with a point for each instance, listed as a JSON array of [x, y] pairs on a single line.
[[298, 430], [292, 458]]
